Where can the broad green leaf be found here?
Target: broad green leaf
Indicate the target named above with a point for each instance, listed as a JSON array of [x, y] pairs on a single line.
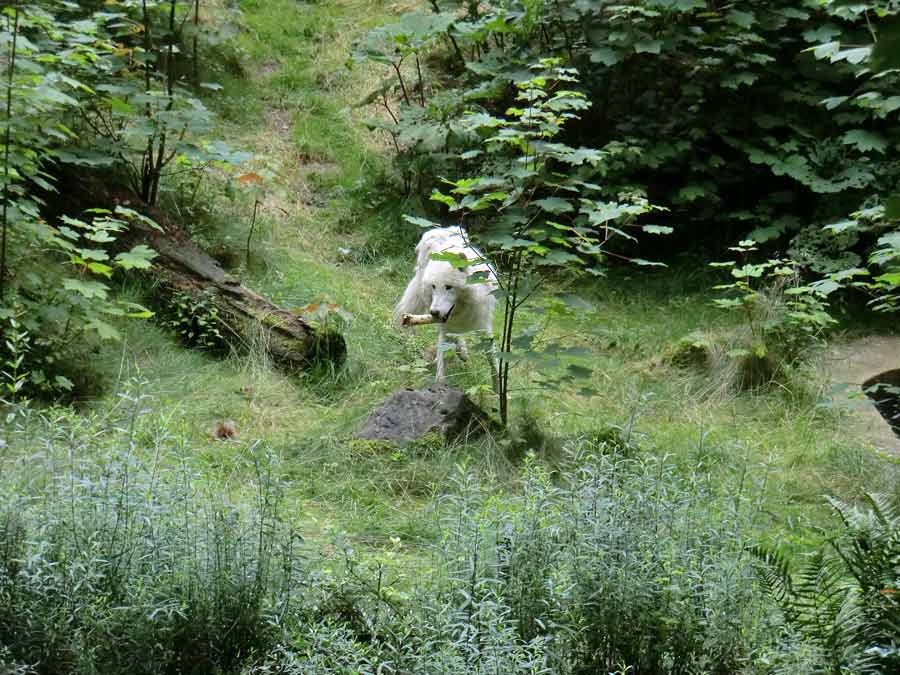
[[646, 263], [101, 269], [606, 56], [865, 140], [555, 205], [449, 201], [834, 102], [842, 226], [138, 257], [739, 18], [89, 289], [457, 260], [103, 329], [855, 55], [63, 382], [421, 222]]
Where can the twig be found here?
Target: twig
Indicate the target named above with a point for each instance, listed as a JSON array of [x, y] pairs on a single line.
[[256, 204], [417, 319]]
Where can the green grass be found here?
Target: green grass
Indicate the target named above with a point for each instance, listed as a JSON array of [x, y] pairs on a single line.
[[293, 108]]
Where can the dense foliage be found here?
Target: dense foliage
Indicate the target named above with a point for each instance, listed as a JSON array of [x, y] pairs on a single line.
[[86, 91], [764, 122]]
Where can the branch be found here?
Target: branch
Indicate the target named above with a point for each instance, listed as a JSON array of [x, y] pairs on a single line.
[[417, 320]]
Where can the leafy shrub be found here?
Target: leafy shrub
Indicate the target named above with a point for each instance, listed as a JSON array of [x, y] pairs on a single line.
[[91, 89], [617, 566], [195, 320], [66, 309], [536, 211], [782, 318], [122, 560], [117, 555]]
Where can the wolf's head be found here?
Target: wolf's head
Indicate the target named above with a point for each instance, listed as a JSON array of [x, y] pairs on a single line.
[[445, 285]]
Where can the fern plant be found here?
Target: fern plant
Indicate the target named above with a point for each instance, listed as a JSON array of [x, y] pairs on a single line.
[[846, 596]]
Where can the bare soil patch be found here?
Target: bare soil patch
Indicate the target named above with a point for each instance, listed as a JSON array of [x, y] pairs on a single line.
[[849, 366]]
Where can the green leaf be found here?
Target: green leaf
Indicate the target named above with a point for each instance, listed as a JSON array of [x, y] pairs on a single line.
[[89, 289], [457, 260], [421, 222], [834, 102], [865, 140], [691, 193], [856, 55], [138, 257], [646, 263], [742, 19], [101, 269], [648, 46], [555, 205], [438, 196], [103, 329], [63, 382], [136, 311], [657, 229], [605, 56], [842, 226]]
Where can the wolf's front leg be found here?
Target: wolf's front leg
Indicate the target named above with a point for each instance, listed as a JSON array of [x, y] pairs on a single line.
[[462, 351]]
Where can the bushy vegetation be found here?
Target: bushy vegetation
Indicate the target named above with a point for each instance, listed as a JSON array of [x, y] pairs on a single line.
[[777, 110], [843, 598], [119, 557], [118, 554]]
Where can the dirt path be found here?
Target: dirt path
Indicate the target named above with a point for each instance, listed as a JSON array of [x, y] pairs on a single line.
[[852, 363]]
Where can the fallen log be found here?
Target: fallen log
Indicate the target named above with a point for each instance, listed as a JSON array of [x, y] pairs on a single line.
[[292, 342]]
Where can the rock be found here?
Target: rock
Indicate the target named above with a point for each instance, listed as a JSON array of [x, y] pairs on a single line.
[[410, 414]]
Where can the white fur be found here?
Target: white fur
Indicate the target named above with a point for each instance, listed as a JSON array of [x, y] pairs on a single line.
[[441, 290]]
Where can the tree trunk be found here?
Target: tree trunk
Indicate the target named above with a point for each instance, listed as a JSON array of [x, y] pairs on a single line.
[[182, 267]]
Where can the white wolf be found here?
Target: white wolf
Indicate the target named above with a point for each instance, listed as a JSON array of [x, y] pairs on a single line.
[[445, 292]]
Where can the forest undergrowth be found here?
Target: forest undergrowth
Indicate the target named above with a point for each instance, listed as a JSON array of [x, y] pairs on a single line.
[[609, 531]]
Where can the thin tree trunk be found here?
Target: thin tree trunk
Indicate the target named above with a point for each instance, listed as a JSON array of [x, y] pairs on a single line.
[[7, 141], [196, 64]]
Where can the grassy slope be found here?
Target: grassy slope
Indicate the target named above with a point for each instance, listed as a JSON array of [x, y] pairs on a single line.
[[293, 111]]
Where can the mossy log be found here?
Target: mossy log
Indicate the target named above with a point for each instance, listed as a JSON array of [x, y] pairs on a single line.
[[292, 342]]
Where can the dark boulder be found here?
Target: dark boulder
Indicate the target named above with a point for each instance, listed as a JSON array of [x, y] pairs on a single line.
[[410, 414]]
